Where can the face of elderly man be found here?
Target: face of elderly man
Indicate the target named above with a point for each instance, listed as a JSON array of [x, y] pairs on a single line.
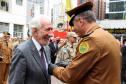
[[42, 34]]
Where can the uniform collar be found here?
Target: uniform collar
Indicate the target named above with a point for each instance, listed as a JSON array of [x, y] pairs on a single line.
[[91, 30]]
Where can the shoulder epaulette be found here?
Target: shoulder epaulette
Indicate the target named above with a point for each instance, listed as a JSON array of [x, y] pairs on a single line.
[[85, 38]]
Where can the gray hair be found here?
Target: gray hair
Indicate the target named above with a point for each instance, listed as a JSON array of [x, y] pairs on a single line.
[[89, 16], [36, 22]]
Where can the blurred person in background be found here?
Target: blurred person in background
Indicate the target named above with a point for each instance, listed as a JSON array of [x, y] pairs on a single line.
[[123, 73], [5, 56], [68, 50], [53, 45]]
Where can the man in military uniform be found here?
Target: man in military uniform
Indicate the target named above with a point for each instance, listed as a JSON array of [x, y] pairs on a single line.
[[68, 50], [5, 55], [98, 58]]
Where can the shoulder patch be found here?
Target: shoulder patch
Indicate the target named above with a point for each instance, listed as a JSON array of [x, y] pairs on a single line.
[[83, 47]]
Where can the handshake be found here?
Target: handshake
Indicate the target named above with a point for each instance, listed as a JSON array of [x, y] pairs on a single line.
[[59, 64], [62, 63]]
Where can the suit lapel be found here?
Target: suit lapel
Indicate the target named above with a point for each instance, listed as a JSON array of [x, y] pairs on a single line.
[[36, 56]]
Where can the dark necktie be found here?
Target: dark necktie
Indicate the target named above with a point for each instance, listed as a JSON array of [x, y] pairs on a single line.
[[43, 61]]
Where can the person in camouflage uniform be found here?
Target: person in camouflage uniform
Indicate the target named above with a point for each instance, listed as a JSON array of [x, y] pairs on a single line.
[[67, 52], [5, 57]]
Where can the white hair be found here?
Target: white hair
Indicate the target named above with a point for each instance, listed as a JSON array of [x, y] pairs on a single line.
[[36, 22]]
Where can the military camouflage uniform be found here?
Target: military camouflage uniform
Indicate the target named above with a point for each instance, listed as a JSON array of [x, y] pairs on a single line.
[[66, 53], [5, 53]]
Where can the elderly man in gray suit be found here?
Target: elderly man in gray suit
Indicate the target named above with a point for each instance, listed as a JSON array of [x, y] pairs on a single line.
[[31, 58]]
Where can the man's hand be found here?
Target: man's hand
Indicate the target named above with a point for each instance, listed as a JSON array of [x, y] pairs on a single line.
[[51, 67], [62, 64]]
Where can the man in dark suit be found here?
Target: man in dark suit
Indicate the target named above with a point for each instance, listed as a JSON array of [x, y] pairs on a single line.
[[53, 45], [123, 71], [31, 58]]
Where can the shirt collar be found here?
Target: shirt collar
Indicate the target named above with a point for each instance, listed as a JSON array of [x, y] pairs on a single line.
[[37, 45]]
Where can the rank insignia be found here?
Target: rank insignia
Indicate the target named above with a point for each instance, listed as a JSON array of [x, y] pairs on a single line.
[[83, 47]]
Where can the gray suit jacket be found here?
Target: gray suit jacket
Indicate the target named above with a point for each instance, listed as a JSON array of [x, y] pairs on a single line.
[[26, 67]]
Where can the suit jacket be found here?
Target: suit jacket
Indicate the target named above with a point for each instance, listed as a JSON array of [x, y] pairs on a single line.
[[124, 55], [53, 51], [123, 70], [26, 67]]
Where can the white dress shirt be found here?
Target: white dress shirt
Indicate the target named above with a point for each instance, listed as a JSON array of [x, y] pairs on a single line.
[[38, 46]]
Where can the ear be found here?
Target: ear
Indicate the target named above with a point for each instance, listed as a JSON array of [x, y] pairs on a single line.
[[82, 22]]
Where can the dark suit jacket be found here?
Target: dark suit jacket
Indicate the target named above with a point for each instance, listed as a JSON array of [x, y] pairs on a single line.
[[124, 55], [26, 67], [123, 72], [53, 51]]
